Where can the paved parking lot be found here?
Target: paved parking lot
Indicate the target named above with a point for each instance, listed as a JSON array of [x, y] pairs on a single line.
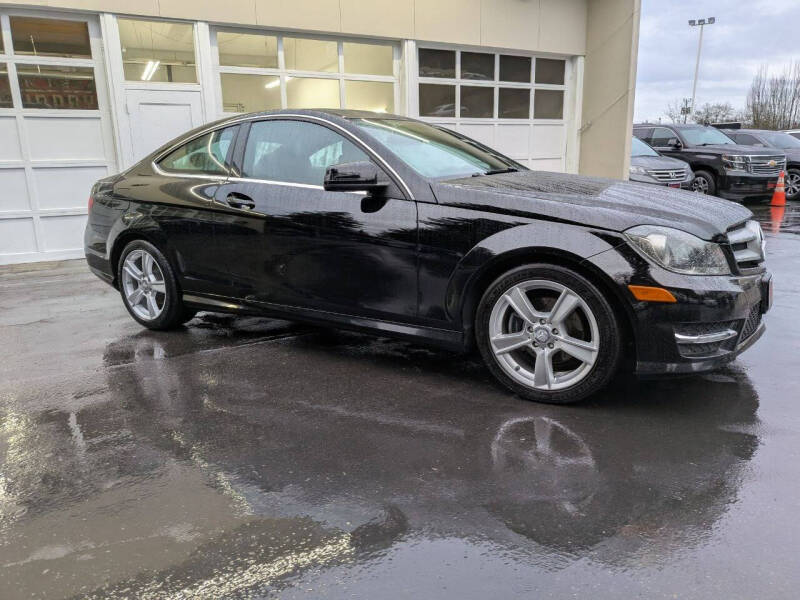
[[247, 457]]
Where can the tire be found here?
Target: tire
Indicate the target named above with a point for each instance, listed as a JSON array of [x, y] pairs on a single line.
[[704, 183], [155, 281], [513, 346], [793, 184]]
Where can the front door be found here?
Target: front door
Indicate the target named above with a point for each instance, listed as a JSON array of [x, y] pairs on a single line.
[[157, 116], [289, 242]]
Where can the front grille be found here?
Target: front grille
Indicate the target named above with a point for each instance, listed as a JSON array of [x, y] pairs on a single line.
[[667, 175], [767, 165], [746, 242], [751, 323], [700, 349]]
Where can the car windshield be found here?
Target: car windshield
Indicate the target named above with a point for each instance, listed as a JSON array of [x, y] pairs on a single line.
[[434, 152], [705, 136], [778, 139], [639, 148]]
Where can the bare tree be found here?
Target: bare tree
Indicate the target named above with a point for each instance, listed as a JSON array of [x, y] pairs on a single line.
[[719, 112], [773, 102]]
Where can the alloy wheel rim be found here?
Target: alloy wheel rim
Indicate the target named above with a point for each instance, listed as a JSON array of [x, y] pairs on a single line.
[[143, 285], [544, 335], [700, 185], [792, 184]]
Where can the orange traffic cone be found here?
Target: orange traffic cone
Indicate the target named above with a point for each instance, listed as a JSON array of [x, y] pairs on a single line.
[[776, 218], [779, 196]]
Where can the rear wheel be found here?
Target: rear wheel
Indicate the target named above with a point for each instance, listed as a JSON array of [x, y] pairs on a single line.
[[149, 288], [547, 333], [704, 183], [793, 184]]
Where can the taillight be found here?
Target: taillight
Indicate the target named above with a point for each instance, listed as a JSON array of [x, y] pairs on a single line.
[[91, 202]]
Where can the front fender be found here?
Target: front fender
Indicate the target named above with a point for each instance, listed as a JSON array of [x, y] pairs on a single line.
[[510, 247]]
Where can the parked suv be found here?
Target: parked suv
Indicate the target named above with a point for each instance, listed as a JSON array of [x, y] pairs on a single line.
[[648, 166], [782, 142], [721, 166]]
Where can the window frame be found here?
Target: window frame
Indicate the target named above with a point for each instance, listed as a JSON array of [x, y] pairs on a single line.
[[11, 60], [458, 81], [283, 73]]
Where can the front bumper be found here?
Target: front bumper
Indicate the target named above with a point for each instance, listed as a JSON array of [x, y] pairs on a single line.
[[746, 186], [686, 184], [715, 318]]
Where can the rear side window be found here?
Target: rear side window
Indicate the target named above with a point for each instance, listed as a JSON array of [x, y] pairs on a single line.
[[643, 133], [204, 155], [746, 139], [295, 151]]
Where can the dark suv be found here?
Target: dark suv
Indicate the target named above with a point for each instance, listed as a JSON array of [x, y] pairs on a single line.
[[781, 142], [722, 167]]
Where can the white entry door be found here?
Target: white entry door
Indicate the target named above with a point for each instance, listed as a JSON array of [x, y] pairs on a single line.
[[157, 116]]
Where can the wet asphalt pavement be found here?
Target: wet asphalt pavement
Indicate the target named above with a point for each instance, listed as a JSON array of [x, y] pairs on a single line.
[[246, 457]]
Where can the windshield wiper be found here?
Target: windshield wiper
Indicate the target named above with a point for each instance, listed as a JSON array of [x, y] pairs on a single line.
[[498, 171]]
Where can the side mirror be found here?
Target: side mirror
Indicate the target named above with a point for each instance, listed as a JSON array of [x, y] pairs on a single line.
[[674, 143], [362, 176]]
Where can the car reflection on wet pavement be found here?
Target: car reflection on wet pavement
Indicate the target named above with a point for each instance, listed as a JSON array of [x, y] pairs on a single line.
[[246, 457]]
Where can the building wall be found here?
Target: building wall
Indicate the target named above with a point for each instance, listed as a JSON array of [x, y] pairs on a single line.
[[612, 41], [535, 25]]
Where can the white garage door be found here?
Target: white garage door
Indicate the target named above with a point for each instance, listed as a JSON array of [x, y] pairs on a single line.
[[55, 138]]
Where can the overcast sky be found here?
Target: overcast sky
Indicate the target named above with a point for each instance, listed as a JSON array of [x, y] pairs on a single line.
[[747, 33]]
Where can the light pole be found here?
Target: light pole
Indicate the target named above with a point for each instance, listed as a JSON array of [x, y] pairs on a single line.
[[702, 23]]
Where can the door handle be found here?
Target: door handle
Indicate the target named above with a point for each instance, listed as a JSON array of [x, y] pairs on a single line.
[[237, 200]]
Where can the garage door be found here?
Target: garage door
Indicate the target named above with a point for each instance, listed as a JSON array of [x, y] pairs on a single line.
[[55, 132]]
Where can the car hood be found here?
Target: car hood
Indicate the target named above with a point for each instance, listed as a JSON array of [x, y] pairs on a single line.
[[658, 162], [736, 149], [591, 201]]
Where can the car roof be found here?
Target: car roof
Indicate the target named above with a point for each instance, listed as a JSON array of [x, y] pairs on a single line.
[[314, 112], [673, 125]]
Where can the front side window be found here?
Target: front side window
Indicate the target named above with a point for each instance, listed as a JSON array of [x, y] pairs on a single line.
[[705, 136], [432, 151], [778, 139], [661, 137], [295, 151], [204, 155]]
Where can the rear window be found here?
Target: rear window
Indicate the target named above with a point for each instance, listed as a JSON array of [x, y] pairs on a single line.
[[204, 155]]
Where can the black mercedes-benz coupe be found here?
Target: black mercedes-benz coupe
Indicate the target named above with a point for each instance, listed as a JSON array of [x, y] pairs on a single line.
[[395, 226]]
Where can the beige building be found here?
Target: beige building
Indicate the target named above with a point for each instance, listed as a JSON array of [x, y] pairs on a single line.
[[87, 87]]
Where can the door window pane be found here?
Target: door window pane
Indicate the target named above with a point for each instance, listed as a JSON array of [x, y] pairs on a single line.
[[437, 63], [50, 37], [548, 104], [310, 55], [247, 50], [369, 95], [477, 102], [515, 68], [476, 65], [514, 103], [661, 136], [205, 154], [437, 100], [305, 92], [5, 88], [295, 151], [46, 86], [157, 51], [368, 59], [250, 93], [550, 70]]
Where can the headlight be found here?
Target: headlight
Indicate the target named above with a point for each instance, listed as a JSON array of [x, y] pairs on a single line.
[[634, 170], [734, 162], [678, 251]]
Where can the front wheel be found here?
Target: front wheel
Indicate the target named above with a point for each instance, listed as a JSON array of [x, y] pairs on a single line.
[[548, 334], [149, 288], [793, 184], [704, 183]]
